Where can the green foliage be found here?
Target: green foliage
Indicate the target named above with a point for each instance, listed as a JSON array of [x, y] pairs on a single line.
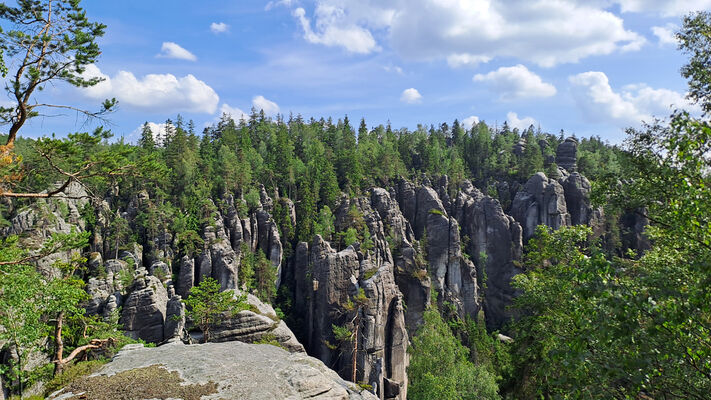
[[252, 199], [21, 312], [258, 274], [32, 306], [369, 273], [206, 305], [435, 211], [324, 225], [126, 275], [270, 339], [350, 237], [439, 366], [49, 42], [342, 333], [695, 40], [246, 267], [72, 373], [190, 243], [488, 351], [531, 161]]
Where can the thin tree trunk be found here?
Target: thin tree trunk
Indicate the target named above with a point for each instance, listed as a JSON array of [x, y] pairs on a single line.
[[355, 347], [59, 343]]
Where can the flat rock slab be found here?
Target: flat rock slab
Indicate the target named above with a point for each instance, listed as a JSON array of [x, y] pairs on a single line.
[[240, 370]]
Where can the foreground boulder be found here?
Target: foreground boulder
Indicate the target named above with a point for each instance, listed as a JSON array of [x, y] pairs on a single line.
[[231, 370]]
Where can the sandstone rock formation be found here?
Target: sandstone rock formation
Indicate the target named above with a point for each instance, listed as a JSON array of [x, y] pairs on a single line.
[[541, 201], [494, 241], [143, 315], [567, 155], [249, 326], [241, 371], [347, 289]]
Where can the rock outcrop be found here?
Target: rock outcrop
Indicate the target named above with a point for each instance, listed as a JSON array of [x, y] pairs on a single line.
[[567, 155], [541, 201], [577, 199], [143, 315], [494, 241], [249, 326], [239, 371], [347, 289]]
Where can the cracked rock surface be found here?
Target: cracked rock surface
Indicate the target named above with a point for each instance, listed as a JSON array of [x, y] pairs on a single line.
[[241, 371]]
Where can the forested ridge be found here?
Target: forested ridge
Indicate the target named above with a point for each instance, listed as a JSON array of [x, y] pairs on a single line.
[[446, 262]]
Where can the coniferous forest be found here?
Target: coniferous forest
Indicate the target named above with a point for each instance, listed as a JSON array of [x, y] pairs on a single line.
[[442, 262]]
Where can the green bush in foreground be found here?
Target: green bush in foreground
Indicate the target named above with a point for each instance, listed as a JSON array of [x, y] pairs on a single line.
[[440, 368]]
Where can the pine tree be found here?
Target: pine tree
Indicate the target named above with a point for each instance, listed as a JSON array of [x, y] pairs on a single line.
[[147, 142]]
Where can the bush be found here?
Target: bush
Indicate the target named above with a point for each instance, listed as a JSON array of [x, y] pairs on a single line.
[[72, 372]]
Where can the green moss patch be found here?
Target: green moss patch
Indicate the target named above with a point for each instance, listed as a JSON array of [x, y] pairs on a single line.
[[153, 382]]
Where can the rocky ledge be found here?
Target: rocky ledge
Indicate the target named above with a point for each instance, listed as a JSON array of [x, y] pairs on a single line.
[[230, 370]]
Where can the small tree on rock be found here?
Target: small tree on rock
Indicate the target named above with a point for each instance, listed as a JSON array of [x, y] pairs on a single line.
[[206, 304]]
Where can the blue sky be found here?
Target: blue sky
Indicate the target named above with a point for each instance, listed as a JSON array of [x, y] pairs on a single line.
[[590, 67]]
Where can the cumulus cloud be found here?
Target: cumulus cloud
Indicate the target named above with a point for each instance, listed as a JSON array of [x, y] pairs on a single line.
[[521, 123], [410, 96], [666, 8], [460, 60], [330, 30], [471, 32], [269, 107], [154, 91], [516, 82], [173, 50], [219, 27], [470, 121], [665, 34], [630, 106]]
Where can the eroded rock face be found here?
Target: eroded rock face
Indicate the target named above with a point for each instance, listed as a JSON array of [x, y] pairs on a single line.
[[541, 201], [495, 242], [37, 224], [567, 155], [249, 326], [143, 315], [241, 371], [174, 325], [349, 289], [577, 198], [186, 276]]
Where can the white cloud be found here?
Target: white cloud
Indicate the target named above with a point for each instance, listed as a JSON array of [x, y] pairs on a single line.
[[461, 60], [260, 103], [667, 8], [272, 4], [173, 50], [330, 31], [410, 96], [219, 27], [154, 91], [521, 123], [666, 34], [546, 32], [516, 82], [233, 112], [470, 121], [629, 107]]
